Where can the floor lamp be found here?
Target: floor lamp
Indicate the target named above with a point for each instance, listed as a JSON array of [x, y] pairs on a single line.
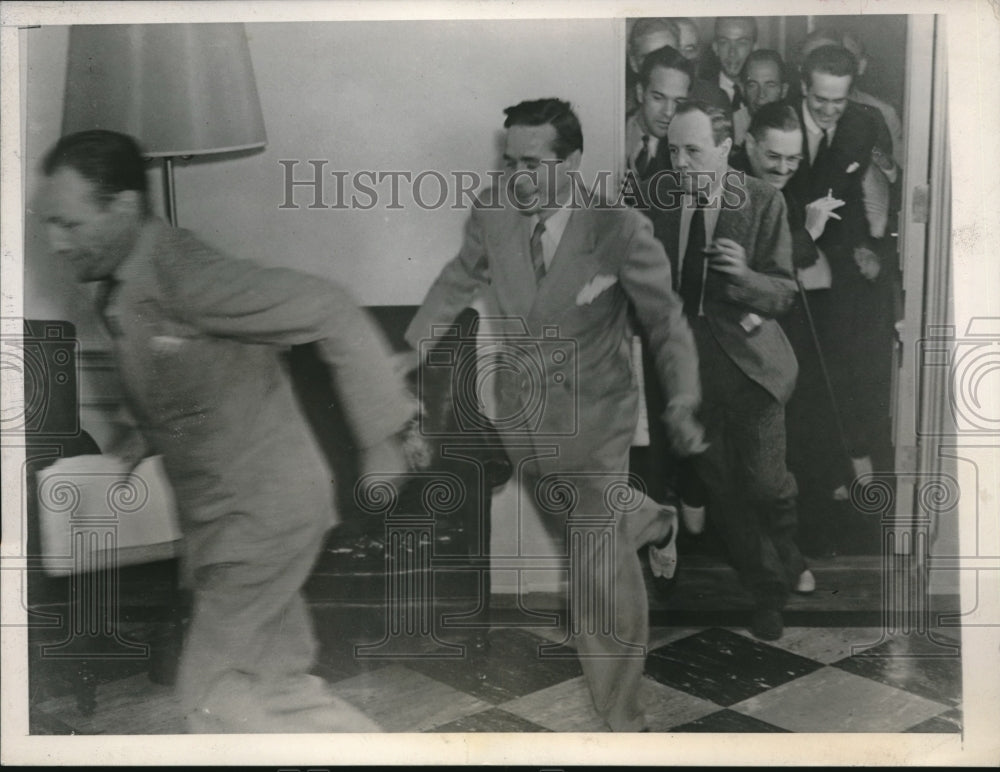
[[180, 89]]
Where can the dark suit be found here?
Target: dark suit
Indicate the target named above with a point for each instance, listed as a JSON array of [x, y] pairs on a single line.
[[840, 171], [853, 333], [809, 413], [710, 92], [661, 158], [747, 376], [606, 259]]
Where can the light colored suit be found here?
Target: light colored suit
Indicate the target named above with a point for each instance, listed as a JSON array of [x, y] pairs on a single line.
[[612, 246], [198, 338], [606, 259]]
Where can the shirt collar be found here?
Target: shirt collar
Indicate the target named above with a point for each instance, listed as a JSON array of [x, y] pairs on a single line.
[[148, 236], [556, 222], [810, 124]]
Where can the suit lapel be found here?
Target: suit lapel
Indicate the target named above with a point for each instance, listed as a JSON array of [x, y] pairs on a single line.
[[667, 229], [573, 262], [513, 273]]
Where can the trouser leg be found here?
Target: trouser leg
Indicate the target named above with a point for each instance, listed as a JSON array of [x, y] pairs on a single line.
[[250, 646], [742, 468], [609, 617]]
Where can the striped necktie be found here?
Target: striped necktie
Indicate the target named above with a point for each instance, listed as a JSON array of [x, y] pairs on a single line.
[[537, 252]]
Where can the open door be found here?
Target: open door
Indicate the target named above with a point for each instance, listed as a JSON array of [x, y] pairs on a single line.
[[920, 414]]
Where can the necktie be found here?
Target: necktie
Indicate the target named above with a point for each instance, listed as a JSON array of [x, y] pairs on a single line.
[[692, 271], [737, 98], [822, 148], [537, 253], [642, 158]]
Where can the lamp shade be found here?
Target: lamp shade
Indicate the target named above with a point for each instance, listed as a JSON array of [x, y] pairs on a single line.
[[179, 89]]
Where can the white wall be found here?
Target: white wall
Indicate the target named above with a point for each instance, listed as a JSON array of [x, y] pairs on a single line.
[[406, 96], [391, 96]]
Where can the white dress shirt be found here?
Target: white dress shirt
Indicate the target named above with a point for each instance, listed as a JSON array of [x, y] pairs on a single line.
[[814, 133], [555, 225]]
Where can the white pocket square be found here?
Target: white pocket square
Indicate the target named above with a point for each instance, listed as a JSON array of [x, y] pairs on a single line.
[[166, 343], [595, 287], [853, 167]]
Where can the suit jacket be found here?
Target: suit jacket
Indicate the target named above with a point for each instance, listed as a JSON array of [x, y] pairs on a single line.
[[607, 258], [840, 171], [710, 91], [660, 160], [760, 226], [198, 338]]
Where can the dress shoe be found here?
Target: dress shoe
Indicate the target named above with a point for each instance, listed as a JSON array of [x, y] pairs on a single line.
[[806, 584], [862, 466], [767, 624], [663, 554], [693, 517]]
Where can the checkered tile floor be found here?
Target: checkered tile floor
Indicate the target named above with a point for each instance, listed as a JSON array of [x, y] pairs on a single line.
[[710, 679]]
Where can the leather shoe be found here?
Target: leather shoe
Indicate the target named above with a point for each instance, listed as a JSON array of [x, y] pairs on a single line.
[[767, 624], [806, 584], [663, 555]]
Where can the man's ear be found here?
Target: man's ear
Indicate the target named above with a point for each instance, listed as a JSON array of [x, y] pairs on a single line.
[[639, 90], [573, 159], [784, 90], [127, 202], [726, 146], [749, 142]]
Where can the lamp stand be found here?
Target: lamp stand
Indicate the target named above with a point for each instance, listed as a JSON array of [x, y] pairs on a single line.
[[169, 198]]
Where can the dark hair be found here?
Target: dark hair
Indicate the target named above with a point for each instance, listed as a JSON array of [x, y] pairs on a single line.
[[669, 58], [113, 162], [765, 55], [832, 60], [742, 19], [777, 115], [722, 120], [647, 25], [538, 112]]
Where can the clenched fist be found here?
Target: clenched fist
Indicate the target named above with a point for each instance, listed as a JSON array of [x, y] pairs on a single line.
[[686, 434]]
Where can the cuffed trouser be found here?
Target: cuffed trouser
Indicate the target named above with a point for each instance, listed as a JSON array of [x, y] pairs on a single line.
[[608, 608], [750, 490], [250, 646]]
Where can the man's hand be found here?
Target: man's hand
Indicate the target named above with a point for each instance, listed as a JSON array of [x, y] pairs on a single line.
[[819, 212], [405, 362], [886, 163], [396, 457], [728, 257], [868, 263], [129, 446], [382, 463], [686, 435]]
